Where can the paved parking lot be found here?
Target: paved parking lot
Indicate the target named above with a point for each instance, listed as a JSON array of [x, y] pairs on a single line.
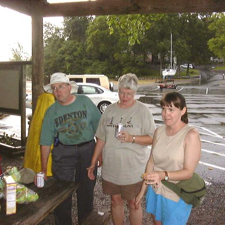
[[206, 111]]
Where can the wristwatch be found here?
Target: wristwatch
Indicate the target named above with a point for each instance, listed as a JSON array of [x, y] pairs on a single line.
[[166, 176], [133, 139]]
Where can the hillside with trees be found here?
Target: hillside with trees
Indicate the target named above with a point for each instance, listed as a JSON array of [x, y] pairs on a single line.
[[140, 44]]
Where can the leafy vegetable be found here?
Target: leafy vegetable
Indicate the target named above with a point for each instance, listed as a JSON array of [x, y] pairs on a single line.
[[25, 195]]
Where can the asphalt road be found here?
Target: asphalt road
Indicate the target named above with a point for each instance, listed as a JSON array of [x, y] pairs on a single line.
[[206, 111]]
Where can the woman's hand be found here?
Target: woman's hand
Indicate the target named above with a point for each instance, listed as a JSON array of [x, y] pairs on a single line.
[[153, 178], [91, 169], [144, 140], [125, 137]]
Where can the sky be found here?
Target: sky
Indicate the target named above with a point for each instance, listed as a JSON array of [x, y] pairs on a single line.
[[16, 27]]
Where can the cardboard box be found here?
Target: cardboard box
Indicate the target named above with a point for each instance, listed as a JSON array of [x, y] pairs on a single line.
[[10, 195]]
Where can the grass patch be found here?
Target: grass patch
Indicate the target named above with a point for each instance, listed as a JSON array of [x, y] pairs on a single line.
[[155, 76], [221, 67], [192, 72]]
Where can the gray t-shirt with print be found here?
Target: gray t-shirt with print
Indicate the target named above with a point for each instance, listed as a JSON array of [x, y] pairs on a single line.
[[124, 163]]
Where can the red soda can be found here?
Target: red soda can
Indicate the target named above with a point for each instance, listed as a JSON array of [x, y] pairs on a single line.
[[40, 180]]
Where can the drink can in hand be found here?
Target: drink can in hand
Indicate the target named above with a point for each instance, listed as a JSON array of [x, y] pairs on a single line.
[[119, 128], [40, 180]]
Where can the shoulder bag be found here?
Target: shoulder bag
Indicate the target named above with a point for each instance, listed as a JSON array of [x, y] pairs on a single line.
[[191, 191]]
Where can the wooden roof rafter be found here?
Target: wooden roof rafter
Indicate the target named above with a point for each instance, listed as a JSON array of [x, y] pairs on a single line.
[[113, 7], [118, 7], [23, 6]]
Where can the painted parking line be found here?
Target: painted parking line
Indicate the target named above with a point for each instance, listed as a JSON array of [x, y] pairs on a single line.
[[210, 132], [211, 165], [211, 135], [157, 88], [211, 152], [213, 142], [180, 89]]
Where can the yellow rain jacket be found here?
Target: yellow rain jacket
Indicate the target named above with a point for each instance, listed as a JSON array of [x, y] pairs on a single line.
[[32, 157]]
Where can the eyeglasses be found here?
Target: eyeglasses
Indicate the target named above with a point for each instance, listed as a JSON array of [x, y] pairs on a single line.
[[128, 94], [60, 87]]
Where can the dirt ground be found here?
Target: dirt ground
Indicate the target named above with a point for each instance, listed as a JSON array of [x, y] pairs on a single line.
[[211, 212]]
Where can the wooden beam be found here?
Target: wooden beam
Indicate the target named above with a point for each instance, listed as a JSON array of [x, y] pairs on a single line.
[[114, 7], [22, 6], [118, 7]]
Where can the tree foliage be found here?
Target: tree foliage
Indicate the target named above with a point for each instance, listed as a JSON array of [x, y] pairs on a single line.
[[19, 54], [131, 26], [217, 42], [114, 45]]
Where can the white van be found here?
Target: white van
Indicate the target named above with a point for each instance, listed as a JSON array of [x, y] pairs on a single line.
[[99, 79]]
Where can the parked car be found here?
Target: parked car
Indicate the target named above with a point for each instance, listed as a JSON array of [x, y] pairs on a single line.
[[170, 84], [99, 79], [100, 96], [185, 66]]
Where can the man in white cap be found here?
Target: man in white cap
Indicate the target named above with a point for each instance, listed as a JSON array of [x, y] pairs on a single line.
[[70, 123]]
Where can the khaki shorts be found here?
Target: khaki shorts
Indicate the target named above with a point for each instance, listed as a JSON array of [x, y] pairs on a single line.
[[127, 192]]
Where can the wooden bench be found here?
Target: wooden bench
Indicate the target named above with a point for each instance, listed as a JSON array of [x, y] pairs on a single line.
[[97, 218]]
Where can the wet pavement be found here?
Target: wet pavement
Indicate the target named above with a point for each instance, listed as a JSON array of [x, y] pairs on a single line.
[[11, 124], [206, 112]]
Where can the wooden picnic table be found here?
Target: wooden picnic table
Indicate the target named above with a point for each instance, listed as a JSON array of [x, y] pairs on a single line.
[[50, 196]]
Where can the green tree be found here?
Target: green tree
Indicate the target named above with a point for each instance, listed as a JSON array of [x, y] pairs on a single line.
[[132, 26], [217, 43], [20, 55], [190, 36], [53, 41], [103, 48], [75, 55], [114, 45], [65, 48], [197, 35], [75, 27]]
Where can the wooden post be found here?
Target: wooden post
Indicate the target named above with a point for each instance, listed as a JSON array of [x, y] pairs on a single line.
[[37, 54], [160, 66], [23, 108]]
